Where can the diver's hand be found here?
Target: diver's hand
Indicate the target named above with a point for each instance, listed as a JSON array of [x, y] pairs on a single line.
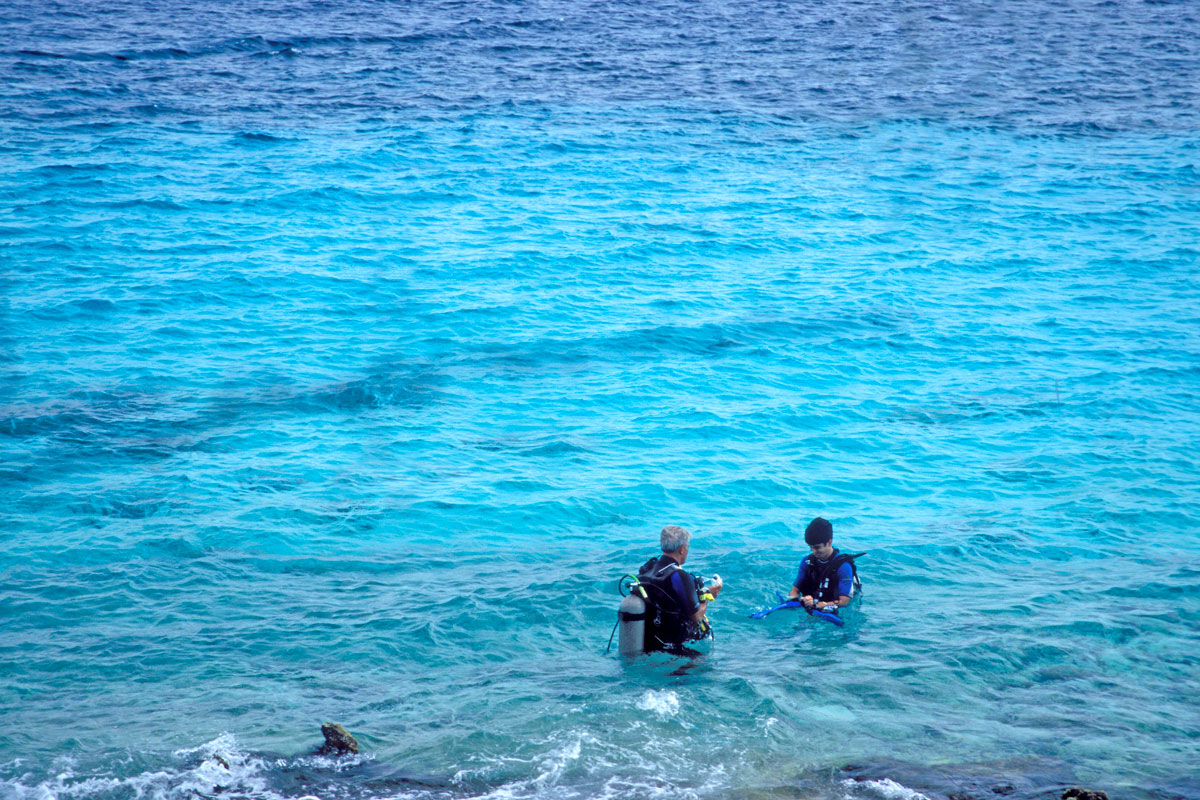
[[715, 587], [807, 600]]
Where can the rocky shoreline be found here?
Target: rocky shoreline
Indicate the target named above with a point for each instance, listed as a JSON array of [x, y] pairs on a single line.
[[1008, 781]]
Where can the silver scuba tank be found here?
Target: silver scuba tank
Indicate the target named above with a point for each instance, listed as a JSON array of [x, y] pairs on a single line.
[[631, 618]]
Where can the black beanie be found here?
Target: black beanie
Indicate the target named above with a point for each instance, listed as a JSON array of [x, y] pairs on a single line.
[[819, 531]]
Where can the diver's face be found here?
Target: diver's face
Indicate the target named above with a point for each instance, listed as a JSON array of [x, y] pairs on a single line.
[[823, 550]]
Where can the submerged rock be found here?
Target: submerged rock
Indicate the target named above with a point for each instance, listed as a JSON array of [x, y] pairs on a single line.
[[1076, 793], [338, 741]]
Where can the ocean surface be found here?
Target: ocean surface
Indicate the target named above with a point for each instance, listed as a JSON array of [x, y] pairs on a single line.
[[350, 353]]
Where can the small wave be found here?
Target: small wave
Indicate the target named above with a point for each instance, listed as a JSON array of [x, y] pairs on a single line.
[[831, 714], [380, 391], [174, 332], [255, 44], [282, 51], [886, 788], [555, 762], [97, 305], [118, 509], [568, 772], [94, 306], [707, 339], [174, 546], [71, 169], [555, 448], [259, 137], [157, 53], [218, 767], [222, 768], [664, 703], [158, 204]]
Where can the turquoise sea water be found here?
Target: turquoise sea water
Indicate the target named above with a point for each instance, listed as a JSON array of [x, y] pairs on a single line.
[[351, 354]]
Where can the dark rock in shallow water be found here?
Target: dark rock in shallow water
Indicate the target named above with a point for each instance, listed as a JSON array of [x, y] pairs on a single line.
[[338, 741], [1075, 793]]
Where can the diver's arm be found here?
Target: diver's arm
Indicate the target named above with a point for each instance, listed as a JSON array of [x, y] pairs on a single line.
[[794, 592], [712, 590]]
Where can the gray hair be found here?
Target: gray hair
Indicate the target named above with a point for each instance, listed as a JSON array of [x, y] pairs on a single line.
[[674, 538]]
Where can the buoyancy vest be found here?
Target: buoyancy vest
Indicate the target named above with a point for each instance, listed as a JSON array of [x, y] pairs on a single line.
[[821, 579], [667, 623]]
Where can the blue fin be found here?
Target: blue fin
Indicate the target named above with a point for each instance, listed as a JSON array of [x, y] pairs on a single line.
[[828, 616], [765, 611]]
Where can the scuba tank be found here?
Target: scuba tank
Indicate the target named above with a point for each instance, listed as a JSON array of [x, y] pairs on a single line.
[[631, 619], [646, 623]]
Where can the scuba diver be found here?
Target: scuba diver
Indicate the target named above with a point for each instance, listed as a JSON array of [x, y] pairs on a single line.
[[666, 606], [827, 578]]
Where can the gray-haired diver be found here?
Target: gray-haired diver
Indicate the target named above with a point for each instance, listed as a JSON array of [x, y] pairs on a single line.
[[666, 606]]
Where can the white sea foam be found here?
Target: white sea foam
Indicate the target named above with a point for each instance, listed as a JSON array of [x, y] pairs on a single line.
[[664, 703], [553, 763], [218, 766], [547, 768], [887, 789], [570, 765], [580, 766]]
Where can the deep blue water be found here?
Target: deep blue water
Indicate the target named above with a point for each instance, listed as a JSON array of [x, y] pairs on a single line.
[[350, 353]]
